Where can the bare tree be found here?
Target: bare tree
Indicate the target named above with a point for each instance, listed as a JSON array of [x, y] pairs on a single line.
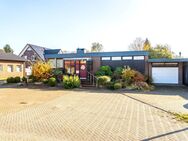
[[137, 45], [96, 47]]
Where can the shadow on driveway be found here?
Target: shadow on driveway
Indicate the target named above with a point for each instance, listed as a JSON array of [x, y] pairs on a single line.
[[165, 134]]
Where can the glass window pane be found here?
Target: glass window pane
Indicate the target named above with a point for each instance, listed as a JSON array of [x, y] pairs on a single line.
[[18, 68], [10, 68], [59, 63], [105, 58], [116, 58], [1, 68], [138, 57], [127, 57], [52, 62]]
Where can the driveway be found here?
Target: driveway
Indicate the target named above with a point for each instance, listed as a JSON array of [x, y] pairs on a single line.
[[90, 115], [174, 99]]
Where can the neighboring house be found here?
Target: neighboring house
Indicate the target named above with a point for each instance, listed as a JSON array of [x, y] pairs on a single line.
[[163, 71], [11, 65], [32, 53]]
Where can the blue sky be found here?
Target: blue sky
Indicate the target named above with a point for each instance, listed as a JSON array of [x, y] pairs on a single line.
[[68, 24]]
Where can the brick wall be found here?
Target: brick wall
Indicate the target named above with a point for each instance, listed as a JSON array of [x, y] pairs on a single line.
[[5, 74], [96, 64]]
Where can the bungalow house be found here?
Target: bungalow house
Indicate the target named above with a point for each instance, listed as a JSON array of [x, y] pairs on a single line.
[[163, 71], [11, 65]]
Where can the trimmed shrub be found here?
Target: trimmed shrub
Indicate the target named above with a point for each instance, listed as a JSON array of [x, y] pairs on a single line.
[[140, 86], [57, 73], [104, 70], [32, 78], [117, 86], [52, 82], [117, 74], [70, 82], [138, 77], [17, 79], [124, 84], [10, 80], [110, 85], [128, 75], [102, 80], [24, 79], [45, 81]]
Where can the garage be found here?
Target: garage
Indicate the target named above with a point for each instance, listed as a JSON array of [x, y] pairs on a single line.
[[168, 71], [165, 75]]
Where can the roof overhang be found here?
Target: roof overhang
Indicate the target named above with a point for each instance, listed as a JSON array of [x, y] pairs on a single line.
[[164, 60]]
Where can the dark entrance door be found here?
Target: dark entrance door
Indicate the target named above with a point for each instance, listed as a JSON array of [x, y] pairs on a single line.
[[83, 69]]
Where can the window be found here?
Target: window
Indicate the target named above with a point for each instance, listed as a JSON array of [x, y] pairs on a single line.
[[33, 58], [29, 49], [70, 67], [59, 63], [138, 57], [105, 58], [1, 68], [52, 62], [116, 58], [25, 57], [19, 68], [127, 58], [10, 68]]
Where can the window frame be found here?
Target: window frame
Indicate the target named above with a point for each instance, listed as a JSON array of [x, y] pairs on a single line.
[[109, 58], [12, 68], [1, 67], [138, 57], [20, 68], [128, 57], [115, 58]]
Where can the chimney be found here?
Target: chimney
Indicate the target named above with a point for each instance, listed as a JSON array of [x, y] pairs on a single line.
[[180, 54], [80, 50]]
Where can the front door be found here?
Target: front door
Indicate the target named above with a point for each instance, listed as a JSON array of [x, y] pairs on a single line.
[[83, 69]]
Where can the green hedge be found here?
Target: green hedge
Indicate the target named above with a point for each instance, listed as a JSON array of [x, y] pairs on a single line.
[[16, 79]]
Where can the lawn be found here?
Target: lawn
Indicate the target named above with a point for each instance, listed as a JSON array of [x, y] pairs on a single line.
[[15, 99]]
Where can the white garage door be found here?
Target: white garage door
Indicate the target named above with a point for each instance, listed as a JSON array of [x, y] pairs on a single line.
[[168, 75]]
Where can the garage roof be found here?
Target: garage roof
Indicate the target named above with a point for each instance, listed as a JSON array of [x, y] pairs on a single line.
[[165, 60]]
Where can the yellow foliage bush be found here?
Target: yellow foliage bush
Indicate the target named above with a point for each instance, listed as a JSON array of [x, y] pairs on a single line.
[[41, 70]]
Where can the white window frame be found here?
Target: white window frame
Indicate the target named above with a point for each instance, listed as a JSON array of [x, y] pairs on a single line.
[[25, 57], [138, 57], [19, 68], [11, 69], [1, 67], [117, 58], [59, 63], [52, 62], [106, 58], [33, 58], [127, 58]]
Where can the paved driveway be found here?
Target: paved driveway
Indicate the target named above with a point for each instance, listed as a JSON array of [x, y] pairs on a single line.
[[174, 99], [91, 116]]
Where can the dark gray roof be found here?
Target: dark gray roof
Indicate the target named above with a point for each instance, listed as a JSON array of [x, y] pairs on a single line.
[[39, 50], [165, 60], [97, 54], [11, 57], [52, 51]]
